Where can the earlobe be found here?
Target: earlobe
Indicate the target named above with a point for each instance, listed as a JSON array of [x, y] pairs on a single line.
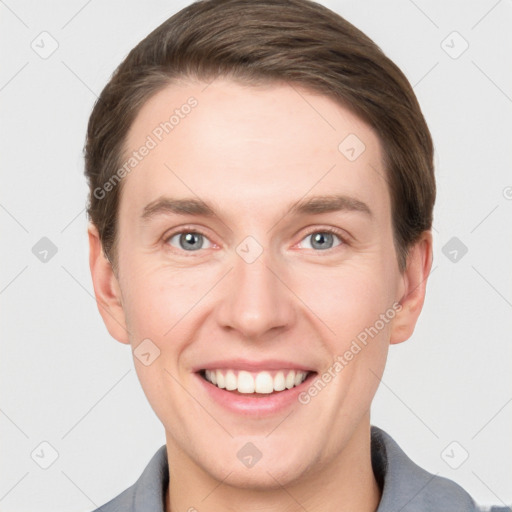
[[419, 263], [106, 288]]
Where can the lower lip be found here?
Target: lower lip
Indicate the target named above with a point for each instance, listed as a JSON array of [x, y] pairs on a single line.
[[256, 404]]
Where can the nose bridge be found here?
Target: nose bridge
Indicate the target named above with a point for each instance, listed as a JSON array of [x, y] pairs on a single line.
[[255, 300]]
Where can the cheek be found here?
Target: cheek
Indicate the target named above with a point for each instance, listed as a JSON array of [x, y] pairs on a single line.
[[347, 299], [157, 298]]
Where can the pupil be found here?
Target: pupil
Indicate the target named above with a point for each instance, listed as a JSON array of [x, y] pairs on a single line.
[[320, 238], [190, 238]]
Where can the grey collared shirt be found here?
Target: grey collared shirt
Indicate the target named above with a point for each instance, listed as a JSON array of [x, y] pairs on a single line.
[[405, 486]]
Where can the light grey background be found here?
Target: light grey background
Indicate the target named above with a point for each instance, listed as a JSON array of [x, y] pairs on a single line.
[[66, 382]]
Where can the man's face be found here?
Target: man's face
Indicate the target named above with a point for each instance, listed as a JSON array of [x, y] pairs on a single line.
[[258, 282]]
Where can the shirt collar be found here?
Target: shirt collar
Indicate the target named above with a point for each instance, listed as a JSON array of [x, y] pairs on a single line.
[[405, 486], [408, 488]]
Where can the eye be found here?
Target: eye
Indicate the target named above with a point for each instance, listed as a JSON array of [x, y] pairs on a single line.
[[323, 239], [189, 241]]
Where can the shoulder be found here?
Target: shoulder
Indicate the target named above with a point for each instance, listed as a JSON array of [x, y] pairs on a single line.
[[148, 492], [123, 501], [409, 488]]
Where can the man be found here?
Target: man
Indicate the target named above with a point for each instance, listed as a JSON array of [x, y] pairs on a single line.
[[262, 189]]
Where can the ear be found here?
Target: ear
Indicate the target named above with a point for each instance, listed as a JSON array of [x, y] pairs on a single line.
[[106, 288], [414, 285]]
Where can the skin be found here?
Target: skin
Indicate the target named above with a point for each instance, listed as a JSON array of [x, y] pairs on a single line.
[[252, 153]]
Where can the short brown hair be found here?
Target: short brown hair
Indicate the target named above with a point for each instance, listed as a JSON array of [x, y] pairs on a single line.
[[264, 42]]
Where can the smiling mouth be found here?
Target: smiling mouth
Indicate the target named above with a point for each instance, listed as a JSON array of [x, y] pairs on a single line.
[[255, 384]]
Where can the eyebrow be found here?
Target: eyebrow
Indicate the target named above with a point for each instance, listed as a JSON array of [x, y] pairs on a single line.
[[314, 206]]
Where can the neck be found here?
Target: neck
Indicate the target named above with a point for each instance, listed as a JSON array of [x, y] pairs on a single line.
[[344, 483]]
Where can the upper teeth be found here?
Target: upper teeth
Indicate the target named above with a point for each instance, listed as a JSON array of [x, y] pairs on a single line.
[[261, 382]]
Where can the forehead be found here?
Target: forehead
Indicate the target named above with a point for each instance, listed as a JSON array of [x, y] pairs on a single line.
[[250, 147]]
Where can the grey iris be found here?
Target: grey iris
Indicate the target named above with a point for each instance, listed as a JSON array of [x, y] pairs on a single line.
[[192, 241], [317, 239]]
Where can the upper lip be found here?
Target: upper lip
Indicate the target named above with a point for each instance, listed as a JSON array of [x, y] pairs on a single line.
[[253, 366]]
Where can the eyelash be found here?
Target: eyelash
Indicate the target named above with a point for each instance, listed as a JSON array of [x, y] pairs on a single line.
[[329, 230]]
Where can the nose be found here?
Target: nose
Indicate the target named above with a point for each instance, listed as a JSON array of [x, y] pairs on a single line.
[[256, 299]]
